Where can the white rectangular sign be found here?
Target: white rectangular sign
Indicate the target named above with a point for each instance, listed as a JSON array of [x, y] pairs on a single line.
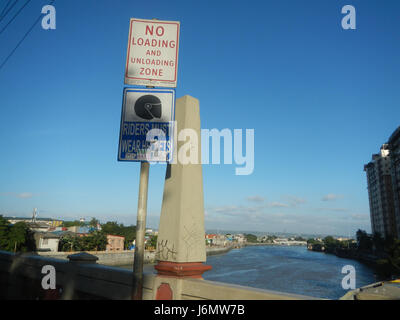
[[152, 54], [146, 132]]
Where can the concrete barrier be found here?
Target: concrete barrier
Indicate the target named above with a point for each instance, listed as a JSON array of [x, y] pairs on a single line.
[[108, 258], [81, 279], [126, 257]]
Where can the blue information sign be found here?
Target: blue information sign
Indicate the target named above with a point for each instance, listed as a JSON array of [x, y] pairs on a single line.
[[147, 125]]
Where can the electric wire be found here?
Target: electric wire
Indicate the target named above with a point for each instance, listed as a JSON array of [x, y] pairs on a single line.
[[23, 38]]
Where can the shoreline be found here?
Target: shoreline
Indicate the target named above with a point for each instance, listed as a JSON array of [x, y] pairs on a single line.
[[249, 244]]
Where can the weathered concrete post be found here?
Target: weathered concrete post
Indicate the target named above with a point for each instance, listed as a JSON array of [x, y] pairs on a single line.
[[181, 244], [140, 232]]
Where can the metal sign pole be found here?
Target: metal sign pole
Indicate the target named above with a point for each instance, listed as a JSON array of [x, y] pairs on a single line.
[[140, 232]]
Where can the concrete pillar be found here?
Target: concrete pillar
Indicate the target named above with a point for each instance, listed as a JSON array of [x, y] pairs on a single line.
[[181, 244]]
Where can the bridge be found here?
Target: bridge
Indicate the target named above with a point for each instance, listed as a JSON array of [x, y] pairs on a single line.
[[82, 278]]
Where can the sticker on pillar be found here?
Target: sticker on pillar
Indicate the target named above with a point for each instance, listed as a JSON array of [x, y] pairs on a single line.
[[147, 125]]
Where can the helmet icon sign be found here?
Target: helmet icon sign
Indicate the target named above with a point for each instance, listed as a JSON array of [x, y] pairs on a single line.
[[148, 107]]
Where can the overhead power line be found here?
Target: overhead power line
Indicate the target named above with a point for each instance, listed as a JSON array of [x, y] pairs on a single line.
[[6, 10], [15, 15], [23, 38]]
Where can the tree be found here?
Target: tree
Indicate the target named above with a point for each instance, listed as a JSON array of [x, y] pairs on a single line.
[[112, 227], [153, 241], [251, 237], [68, 224], [94, 222], [391, 264], [95, 241], [364, 241], [4, 231], [330, 244], [378, 242], [16, 238]]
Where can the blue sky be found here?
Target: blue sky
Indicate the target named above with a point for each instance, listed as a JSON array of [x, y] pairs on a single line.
[[321, 100]]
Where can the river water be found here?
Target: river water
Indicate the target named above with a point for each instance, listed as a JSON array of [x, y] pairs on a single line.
[[291, 269]]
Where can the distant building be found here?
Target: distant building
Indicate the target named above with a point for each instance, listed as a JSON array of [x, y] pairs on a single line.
[[56, 223], [79, 231], [115, 243], [239, 238], [380, 193], [394, 149], [46, 241], [281, 241], [38, 226], [217, 240]]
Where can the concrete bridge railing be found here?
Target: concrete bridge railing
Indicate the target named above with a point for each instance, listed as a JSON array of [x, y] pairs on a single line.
[[81, 277]]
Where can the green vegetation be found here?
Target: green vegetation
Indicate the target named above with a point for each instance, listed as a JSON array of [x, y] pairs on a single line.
[[16, 238], [19, 238], [152, 243], [384, 254], [76, 223], [93, 223], [129, 232], [96, 241], [251, 238], [391, 264], [364, 241]]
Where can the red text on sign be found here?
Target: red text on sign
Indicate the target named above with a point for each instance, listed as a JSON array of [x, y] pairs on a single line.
[[151, 72], [159, 30]]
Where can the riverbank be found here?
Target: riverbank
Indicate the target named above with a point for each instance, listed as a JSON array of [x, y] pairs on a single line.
[[273, 244], [383, 271], [117, 258], [363, 257]]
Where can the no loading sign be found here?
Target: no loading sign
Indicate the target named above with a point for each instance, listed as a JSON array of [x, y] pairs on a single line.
[[152, 53], [147, 125]]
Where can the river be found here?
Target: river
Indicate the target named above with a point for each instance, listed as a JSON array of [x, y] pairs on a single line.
[[292, 269]]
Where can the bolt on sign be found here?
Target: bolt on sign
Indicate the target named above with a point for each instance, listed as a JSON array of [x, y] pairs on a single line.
[[147, 125], [152, 54]]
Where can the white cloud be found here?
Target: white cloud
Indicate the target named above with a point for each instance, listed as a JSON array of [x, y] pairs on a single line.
[[277, 205], [263, 218], [22, 195], [256, 199], [294, 201], [331, 197], [333, 209], [360, 216]]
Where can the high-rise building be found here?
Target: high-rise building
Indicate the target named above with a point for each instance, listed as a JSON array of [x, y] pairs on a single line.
[[380, 192], [394, 149]]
